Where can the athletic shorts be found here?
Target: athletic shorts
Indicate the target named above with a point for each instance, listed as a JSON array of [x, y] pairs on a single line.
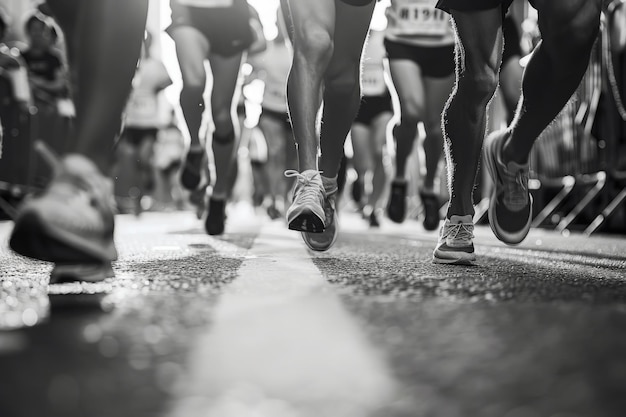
[[135, 135], [371, 107], [226, 28], [470, 5], [436, 62], [356, 2]]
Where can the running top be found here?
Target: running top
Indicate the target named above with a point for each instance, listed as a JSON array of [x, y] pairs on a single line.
[[419, 23], [206, 3]]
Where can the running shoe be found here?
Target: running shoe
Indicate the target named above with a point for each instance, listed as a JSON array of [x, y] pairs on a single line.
[[373, 218], [306, 212], [357, 191], [198, 199], [396, 209], [430, 201], [191, 173], [455, 245], [72, 221], [216, 216], [90, 272], [510, 206], [323, 241]]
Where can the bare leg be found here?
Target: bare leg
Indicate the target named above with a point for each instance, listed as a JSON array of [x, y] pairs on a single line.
[[568, 29], [479, 53], [342, 92], [101, 84], [223, 106]]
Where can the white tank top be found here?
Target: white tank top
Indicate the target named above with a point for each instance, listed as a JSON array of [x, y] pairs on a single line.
[[418, 22], [206, 3]]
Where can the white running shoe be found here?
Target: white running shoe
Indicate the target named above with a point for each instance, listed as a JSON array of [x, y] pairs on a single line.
[[455, 245], [306, 213], [72, 222]]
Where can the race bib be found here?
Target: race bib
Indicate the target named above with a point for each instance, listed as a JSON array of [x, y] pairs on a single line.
[[206, 3], [373, 80], [420, 17]]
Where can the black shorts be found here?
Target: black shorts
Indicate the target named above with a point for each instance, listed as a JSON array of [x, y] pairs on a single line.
[[436, 62], [371, 107], [136, 135], [356, 2], [226, 28], [470, 5]]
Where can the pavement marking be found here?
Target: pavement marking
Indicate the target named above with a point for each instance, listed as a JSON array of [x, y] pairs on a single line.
[[282, 344]]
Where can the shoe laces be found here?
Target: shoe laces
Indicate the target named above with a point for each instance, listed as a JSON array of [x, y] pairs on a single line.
[[308, 190], [515, 183], [459, 233], [90, 180]]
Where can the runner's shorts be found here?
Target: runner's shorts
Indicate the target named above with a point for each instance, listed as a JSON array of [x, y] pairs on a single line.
[[226, 28], [356, 2], [434, 61], [371, 107], [471, 5]]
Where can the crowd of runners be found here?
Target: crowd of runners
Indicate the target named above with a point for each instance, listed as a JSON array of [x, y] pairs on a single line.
[[426, 77]]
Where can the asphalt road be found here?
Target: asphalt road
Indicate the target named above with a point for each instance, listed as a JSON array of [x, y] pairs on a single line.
[[254, 324]]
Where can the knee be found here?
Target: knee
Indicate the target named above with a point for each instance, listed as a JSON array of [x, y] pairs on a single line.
[[480, 81], [314, 44], [191, 92], [410, 114], [222, 120]]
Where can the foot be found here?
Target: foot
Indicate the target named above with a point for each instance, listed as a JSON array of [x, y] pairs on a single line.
[[510, 206], [373, 218], [191, 173], [94, 272], [72, 221], [306, 212], [323, 241], [357, 191], [216, 217], [455, 245], [396, 210], [430, 201]]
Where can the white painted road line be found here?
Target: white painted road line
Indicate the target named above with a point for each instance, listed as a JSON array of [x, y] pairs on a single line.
[[282, 344]]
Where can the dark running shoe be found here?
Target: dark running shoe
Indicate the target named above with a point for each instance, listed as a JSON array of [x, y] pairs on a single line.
[[191, 172], [510, 206], [216, 217], [396, 209], [430, 201], [373, 218], [357, 191]]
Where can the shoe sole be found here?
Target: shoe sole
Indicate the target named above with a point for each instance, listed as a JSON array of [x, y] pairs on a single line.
[[445, 261], [33, 238], [505, 237], [307, 222], [64, 273]]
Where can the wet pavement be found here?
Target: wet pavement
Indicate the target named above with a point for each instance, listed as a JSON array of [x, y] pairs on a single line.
[[254, 324]]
